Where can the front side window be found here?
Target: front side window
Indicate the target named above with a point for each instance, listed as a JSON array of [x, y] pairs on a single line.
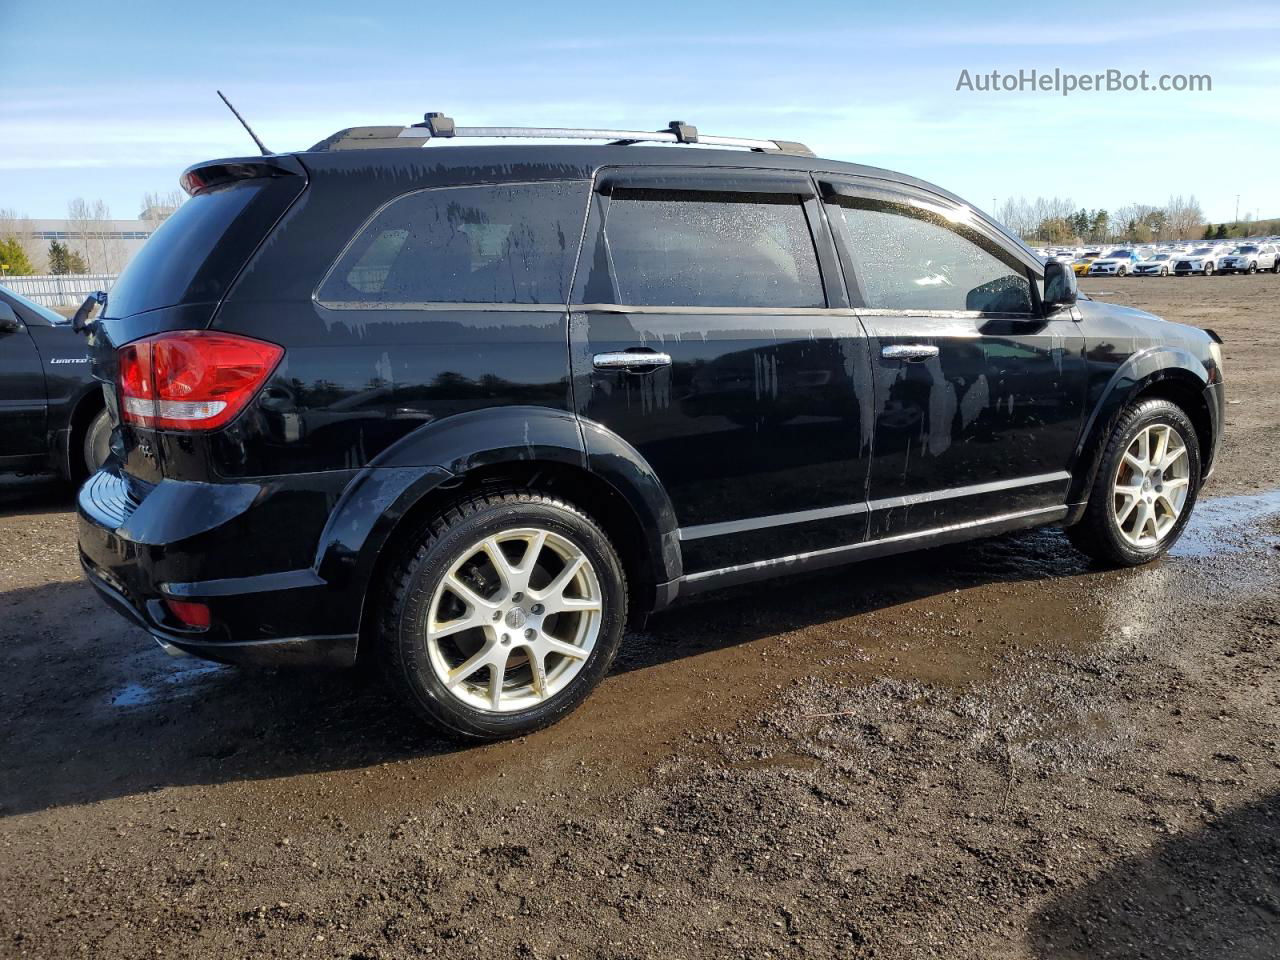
[[908, 258], [678, 248], [506, 243]]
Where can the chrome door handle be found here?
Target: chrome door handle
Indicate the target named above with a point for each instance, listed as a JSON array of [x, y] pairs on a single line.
[[909, 351], [638, 361]]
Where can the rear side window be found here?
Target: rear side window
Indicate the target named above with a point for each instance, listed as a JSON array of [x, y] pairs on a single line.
[[507, 243], [907, 258], [700, 249]]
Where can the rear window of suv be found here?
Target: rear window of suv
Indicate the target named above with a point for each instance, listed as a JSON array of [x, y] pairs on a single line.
[[498, 243], [196, 253]]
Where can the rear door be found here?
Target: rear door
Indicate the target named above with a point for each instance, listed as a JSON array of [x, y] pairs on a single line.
[[978, 396], [710, 331]]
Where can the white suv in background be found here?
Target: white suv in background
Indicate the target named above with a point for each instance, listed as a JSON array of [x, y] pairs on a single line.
[[1250, 258], [1201, 260]]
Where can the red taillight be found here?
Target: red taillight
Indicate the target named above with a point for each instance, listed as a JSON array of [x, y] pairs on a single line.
[[192, 379], [190, 613]]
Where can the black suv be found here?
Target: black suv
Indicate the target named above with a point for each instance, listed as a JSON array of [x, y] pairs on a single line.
[[463, 409], [51, 407]]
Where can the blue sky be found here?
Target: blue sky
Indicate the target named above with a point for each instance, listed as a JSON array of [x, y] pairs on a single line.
[[110, 100]]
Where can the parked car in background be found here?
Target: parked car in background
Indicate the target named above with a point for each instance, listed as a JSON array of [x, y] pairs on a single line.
[[1201, 260], [460, 410], [1117, 263], [52, 415], [1154, 265], [1250, 258], [1082, 263]]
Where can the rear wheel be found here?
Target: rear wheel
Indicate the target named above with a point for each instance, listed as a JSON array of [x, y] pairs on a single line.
[[503, 614], [97, 442], [1145, 489]]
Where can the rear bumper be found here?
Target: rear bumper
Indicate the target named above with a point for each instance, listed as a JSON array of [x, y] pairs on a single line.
[[180, 540]]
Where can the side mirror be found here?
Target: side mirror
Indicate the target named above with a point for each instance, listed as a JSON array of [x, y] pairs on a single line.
[[9, 322], [1060, 288], [80, 322]]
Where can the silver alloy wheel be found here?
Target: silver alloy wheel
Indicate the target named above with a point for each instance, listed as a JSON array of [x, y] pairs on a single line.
[[1151, 485], [514, 619]]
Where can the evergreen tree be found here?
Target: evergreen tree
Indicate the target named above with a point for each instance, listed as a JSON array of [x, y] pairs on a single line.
[[1208, 232], [63, 260], [13, 258], [1221, 233]]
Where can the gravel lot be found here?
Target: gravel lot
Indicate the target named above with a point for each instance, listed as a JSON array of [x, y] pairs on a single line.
[[991, 751]]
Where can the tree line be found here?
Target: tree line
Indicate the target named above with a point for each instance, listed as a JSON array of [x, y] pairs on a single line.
[[1059, 221]]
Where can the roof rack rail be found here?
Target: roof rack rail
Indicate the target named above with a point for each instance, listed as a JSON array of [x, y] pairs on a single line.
[[437, 126]]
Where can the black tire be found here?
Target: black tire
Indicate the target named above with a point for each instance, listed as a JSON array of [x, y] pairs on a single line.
[[1208, 269], [411, 583], [1275, 267], [1253, 268], [1164, 271], [1097, 534], [1122, 271], [96, 445]]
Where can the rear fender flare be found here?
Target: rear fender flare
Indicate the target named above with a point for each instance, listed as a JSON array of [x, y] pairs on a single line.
[[442, 453]]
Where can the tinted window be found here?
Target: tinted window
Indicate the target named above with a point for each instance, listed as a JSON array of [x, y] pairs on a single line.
[[508, 243], [195, 254], [906, 258], [699, 249]]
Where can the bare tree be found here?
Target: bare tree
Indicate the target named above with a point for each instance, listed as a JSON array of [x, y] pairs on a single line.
[[158, 207], [1184, 218], [91, 224]]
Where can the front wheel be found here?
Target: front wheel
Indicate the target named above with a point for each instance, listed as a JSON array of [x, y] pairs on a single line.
[[1121, 271], [1145, 488], [502, 614], [1164, 271], [1253, 268]]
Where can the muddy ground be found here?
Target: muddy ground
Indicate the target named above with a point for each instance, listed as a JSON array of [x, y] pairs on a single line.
[[990, 751]]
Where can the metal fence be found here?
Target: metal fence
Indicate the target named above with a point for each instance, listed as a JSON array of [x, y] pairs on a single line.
[[59, 291]]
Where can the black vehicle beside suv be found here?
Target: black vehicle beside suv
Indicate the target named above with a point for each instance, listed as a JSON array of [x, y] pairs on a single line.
[[464, 409], [52, 415]]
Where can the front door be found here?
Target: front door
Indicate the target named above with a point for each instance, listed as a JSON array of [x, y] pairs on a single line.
[[22, 394], [979, 397], [710, 332]]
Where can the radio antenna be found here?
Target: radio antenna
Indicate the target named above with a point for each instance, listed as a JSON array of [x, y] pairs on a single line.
[[249, 129]]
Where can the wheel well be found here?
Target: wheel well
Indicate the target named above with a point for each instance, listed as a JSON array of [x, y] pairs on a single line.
[[85, 410], [585, 490], [1190, 399]]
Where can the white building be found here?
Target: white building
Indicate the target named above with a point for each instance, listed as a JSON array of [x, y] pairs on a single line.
[[105, 245]]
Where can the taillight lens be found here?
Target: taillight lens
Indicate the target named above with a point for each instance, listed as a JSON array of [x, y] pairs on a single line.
[[192, 379]]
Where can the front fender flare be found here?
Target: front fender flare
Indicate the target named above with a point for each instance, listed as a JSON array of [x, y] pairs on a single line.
[[1131, 378]]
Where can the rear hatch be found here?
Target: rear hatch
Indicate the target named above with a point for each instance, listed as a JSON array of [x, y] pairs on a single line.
[[186, 268]]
